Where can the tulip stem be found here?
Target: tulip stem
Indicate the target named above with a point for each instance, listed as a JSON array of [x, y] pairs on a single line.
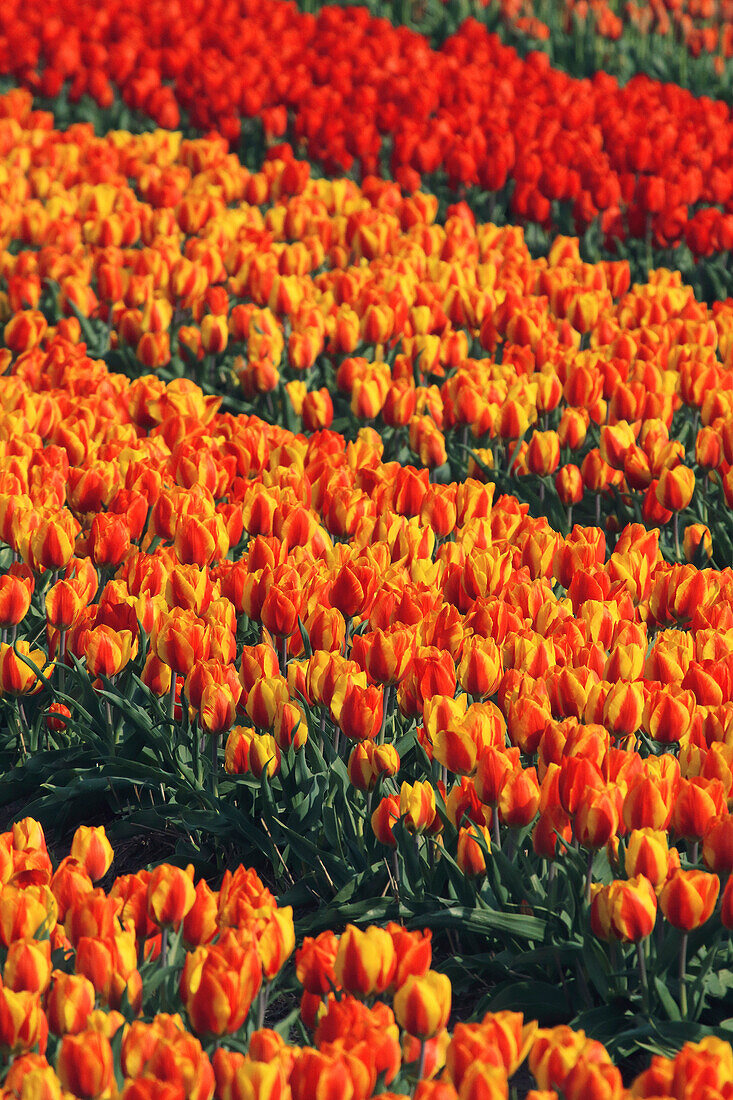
[[195, 756], [62, 659], [284, 654], [262, 1000], [589, 876], [164, 946], [676, 529], [642, 975], [421, 1060], [495, 834], [21, 739], [683, 981], [396, 872], [172, 696], [386, 700], [214, 764]]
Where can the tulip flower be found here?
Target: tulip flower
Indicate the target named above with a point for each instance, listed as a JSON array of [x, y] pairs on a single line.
[[687, 902], [422, 1005], [93, 850], [85, 1064], [365, 961], [219, 983]]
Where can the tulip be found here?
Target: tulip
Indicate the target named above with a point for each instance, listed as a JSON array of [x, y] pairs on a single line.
[[365, 961], [554, 1052], [181, 640], [688, 898], [360, 715], [519, 798], [93, 850], [596, 819], [69, 1003], [16, 677], [687, 902], [109, 540], [171, 894], [543, 453], [481, 667], [315, 962], [368, 761], [385, 816], [417, 806], [647, 853], [219, 983], [15, 598], [108, 651], [471, 851], [28, 966], [422, 1005], [717, 844], [386, 654], [85, 1064], [318, 1074], [501, 1040], [200, 923], [51, 544]]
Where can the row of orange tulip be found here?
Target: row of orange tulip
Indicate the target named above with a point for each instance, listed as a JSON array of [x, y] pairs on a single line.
[[574, 676], [60, 1025], [137, 511], [587, 373]]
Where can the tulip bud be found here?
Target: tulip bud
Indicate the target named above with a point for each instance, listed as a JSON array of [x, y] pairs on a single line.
[[85, 1064], [471, 852], [365, 961], [171, 894], [422, 1005], [675, 488], [93, 850], [688, 898]]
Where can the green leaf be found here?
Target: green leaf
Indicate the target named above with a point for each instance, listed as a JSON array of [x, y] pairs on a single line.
[[537, 1000], [666, 1000]]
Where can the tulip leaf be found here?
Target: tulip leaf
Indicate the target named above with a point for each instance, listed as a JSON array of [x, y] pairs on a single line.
[[487, 922], [666, 999], [538, 1000]]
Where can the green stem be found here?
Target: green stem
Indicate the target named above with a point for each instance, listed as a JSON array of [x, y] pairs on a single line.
[[262, 1005], [19, 716], [421, 1061], [386, 701], [214, 764], [495, 834], [172, 697], [683, 979], [195, 754], [644, 981], [589, 876], [164, 946]]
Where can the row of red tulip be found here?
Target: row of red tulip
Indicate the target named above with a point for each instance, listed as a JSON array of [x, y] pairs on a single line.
[[643, 158]]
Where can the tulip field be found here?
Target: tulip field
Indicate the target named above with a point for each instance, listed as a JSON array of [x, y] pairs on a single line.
[[366, 550]]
